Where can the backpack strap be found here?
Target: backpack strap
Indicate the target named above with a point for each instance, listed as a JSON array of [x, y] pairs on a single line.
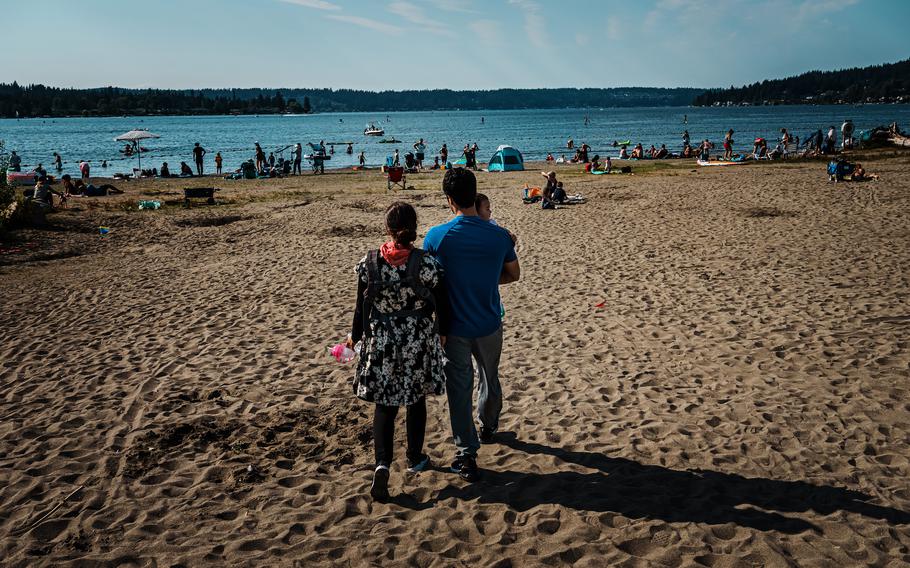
[[374, 281], [412, 274]]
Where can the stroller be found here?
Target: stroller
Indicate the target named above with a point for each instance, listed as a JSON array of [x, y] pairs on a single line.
[[410, 163], [396, 176]]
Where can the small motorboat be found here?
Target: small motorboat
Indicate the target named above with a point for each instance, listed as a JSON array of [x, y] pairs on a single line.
[[373, 130]]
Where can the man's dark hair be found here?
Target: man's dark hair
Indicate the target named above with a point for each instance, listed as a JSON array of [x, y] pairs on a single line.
[[461, 185]]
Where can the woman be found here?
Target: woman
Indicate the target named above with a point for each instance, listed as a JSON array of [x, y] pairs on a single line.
[[444, 155], [399, 289], [260, 157]]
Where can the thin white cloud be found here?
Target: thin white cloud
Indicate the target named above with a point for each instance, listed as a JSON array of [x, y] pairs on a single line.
[[366, 23], [582, 39], [415, 14], [317, 4], [535, 25], [614, 28], [453, 6], [816, 8], [487, 31]]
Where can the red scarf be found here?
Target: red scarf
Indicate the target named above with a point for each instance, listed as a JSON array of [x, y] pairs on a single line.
[[395, 255]]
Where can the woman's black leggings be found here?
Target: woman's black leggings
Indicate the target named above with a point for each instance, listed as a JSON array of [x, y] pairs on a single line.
[[384, 431]]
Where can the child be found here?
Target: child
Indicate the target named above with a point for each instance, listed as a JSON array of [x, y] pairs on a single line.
[[218, 161], [485, 212], [399, 289]]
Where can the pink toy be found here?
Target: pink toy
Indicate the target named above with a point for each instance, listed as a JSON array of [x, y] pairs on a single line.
[[342, 353]]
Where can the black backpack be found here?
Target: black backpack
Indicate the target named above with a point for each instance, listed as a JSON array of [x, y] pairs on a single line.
[[411, 279]]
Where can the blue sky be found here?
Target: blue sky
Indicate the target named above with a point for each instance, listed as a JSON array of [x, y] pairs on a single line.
[[466, 44]]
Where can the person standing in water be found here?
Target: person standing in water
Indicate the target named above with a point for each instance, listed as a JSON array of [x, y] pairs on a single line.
[[58, 162], [685, 138], [444, 155], [362, 159], [198, 155]]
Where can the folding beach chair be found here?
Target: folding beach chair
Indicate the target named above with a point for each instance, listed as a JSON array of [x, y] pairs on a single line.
[[396, 177]]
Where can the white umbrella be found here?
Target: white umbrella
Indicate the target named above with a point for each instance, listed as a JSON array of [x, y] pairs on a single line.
[[135, 136]]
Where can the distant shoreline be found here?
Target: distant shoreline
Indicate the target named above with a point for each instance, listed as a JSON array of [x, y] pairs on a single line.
[[488, 110]]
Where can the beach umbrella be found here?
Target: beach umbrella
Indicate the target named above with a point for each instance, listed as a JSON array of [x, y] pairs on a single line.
[[135, 136]]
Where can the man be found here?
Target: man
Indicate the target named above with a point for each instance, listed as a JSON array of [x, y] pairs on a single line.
[[419, 149], [15, 162], [477, 257], [298, 157], [198, 155]]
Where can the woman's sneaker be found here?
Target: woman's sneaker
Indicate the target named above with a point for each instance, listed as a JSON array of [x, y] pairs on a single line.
[[380, 488], [422, 464]]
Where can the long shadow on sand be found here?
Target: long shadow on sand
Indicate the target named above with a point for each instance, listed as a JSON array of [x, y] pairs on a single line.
[[635, 490]]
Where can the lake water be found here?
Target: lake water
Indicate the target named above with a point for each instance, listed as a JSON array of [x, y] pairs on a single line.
[[534, 132]]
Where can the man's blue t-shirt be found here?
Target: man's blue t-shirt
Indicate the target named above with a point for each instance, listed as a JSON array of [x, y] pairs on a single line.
[[472, 252]]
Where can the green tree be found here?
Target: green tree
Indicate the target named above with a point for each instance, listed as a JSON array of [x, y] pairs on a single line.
[[307, 109]]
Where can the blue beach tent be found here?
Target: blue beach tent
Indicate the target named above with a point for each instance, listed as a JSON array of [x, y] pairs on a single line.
[[506, 159]]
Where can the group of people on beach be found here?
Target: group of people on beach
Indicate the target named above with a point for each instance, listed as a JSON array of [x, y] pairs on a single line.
[[424, 317]]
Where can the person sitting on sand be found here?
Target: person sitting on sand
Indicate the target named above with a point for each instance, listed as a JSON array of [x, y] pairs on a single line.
[[561, 159], [623, 152], [548, 190], [549, 157], [559, 194], [777, 152], [185, 170], [760, 149], [43, 194], [859, 174], [594, 165], [652, 152], [91, 190], [399, 290], [637, 152], [662, 153], [164, 171], [687, 151]]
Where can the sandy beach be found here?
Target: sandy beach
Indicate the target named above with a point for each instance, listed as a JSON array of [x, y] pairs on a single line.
[[740, 398]]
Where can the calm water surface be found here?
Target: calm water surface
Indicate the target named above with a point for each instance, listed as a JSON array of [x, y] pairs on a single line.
[[534, 132]]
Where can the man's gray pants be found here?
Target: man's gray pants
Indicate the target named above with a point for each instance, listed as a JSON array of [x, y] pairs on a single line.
[[460, 387]]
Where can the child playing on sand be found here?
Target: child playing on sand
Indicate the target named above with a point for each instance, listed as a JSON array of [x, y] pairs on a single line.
[[399, 290]]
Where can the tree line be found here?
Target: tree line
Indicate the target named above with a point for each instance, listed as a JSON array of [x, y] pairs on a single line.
[[43, 101], [888, 83]]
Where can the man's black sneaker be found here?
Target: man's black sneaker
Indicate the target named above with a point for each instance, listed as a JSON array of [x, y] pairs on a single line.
[[420, 465], [468, 470], [486, 435], [380, 488], [456, 465]]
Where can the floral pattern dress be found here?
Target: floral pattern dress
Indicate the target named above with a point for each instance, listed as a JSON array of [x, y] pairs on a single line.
[[401, 359]]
